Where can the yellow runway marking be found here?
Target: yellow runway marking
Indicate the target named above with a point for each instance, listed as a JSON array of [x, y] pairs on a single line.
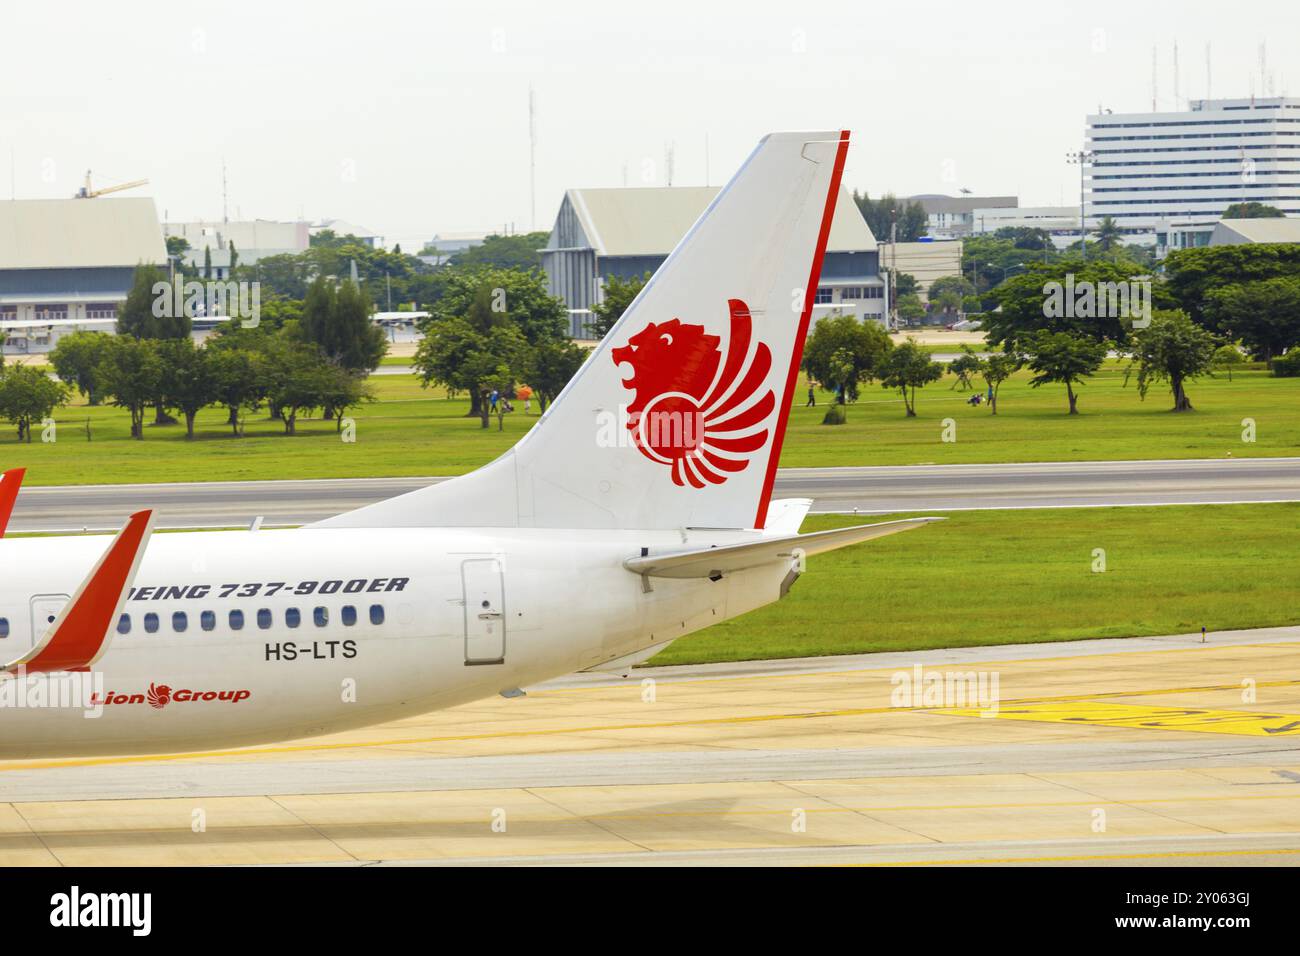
[[1135, 716], [1082, 858], [866, 671]]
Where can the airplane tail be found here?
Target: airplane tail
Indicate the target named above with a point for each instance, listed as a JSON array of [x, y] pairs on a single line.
[[677, 418]]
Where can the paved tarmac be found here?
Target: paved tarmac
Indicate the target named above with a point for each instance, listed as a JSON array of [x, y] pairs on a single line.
[[1142, 751], [874, 490]]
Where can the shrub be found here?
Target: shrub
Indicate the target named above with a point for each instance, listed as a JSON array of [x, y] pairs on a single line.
[[1287, 366]]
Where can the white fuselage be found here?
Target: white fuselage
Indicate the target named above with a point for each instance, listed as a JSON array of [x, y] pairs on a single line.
[[461, 614]]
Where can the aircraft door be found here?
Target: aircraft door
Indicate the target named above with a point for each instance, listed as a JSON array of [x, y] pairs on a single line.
[[485, 611], [45, 608]]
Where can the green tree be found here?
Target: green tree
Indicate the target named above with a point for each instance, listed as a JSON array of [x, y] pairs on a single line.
[[947, 292], [473, 354], [521, 251], [550, 366], [995, 369], [842, 352], [76, 360], [188, 383], [1040, 299], [1064, 358], [619, 293], [880, 214], [496, 363], [1108, 234], [1263, 313], [28, 395], [1227, 357], [908, 367], [1252, 210], [1192, 274], [1172, 349], [1025, 237], [304, 379], [131, 377], [905, 284], [963, 367], [177, 246], [472, 306], [343, 390], [336, 319], [910, 308], [137, 316], [237, 381]]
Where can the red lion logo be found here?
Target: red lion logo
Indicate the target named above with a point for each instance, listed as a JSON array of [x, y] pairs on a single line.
[[158, 696], [687, 413]]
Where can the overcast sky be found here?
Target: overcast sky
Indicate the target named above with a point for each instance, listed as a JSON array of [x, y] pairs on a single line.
[[412, 118]]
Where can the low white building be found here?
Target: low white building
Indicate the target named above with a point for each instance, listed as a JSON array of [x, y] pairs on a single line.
[[254, 239], [954, 217], [1241, 232], [68, 264]]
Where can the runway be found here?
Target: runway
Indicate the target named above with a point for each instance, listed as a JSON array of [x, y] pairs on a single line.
[[1138, 751], [875, 490]]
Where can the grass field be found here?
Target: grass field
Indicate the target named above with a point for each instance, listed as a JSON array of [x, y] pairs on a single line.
[[414, 431], [997, 577]]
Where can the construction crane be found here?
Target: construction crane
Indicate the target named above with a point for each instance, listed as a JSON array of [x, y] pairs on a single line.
[[86, 192]]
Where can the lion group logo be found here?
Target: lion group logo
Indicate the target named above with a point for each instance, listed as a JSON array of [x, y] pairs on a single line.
[[701, 413], [159, 695]]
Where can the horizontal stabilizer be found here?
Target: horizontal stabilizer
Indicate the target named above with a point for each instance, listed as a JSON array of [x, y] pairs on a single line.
[[726, 559]]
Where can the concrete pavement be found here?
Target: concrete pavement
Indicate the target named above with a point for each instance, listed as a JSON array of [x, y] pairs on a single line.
[[1159, 750]]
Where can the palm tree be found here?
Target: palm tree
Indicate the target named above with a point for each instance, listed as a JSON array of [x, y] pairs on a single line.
[[1108, 234]]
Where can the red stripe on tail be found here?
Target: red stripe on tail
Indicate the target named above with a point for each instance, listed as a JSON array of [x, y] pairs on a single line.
[[796, 355]]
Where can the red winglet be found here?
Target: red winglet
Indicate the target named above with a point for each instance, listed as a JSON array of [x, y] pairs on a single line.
[[79, 635], [10, 482]]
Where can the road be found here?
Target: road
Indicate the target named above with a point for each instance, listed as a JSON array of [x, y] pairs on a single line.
[[877, 490], [1134, 751]]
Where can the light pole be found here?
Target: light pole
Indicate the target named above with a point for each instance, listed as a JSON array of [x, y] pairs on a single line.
[[1081, 159]]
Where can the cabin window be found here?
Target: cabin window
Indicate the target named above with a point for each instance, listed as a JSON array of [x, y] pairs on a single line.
[[263, 618], [292, 617], [349, 615], [376, 614], [4, 627], [124, 624], [150, 622], [208, 620], [236, 620], [180, 622], [321, 616]]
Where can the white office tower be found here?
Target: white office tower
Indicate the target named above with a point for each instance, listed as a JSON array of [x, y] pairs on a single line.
[[1175, 173]]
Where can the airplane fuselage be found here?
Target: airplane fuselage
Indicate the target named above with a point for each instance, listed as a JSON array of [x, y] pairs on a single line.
[[238, 638]]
